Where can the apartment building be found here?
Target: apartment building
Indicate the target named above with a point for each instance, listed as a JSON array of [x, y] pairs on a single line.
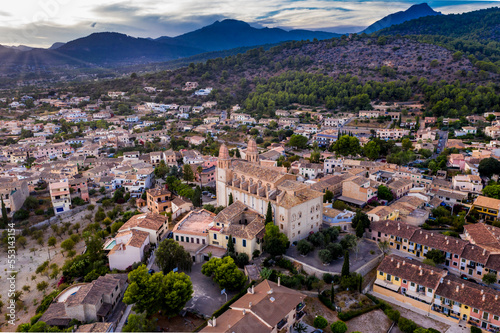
[[392, 133], [358, 191], [468, 183], [159, 200]]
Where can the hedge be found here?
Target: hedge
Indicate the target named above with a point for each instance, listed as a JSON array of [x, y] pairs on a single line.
[[226, 306], [345, 316]]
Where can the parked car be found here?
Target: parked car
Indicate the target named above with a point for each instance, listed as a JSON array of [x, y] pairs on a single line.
[[170, 235], [151, 271], [214, 196]]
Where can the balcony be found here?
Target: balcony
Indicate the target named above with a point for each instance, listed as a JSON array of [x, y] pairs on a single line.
[[300, 307], [282, 323]]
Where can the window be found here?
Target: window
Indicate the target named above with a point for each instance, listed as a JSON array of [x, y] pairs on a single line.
[[177, 238], [485, 315], [396, 278], [381, 273], [475, 310], [429, 290], [182, 238], [244, 243], [389, 277], [215, 236], [495, 317], [412, 284]]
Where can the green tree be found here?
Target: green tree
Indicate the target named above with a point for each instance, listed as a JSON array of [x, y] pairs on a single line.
[[31, 203], [339, 327], [360, 218], [384, 247], [328, 197], [22, 241], [436, 255], [68, 244], [5, 218], [406, 144], [224, 272], [188, 173], [360, 230], [230, 245], [161, 170], [170, 255], [298, 141], [269, 213], [384, 193], [52, 241], [230, 200], [345, 266], [346, 146], [325, 256], [489, 167], [151, 293], [407, 325], [320, 322], [372, 150], [275, 242], [492, 191], [304, 247], [100, 215], [490, 278], [348, 242], [139, 323]]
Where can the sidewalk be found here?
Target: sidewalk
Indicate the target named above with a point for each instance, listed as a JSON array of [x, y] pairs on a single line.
[[423, 316]]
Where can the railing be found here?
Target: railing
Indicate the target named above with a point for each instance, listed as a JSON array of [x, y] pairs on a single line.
[[282, 323]]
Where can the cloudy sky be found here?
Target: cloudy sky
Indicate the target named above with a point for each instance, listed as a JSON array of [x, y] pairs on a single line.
[[43, 22]]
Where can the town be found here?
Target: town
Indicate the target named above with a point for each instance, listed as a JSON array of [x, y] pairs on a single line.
[[137, 215]]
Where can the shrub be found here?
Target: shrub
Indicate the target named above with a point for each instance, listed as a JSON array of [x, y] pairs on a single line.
[[39, 212], [474, 329], [328, 278], [35, 318], [320, 322], [406, 325], [304, 247], [393, 315], [339, 327], [345, 316]]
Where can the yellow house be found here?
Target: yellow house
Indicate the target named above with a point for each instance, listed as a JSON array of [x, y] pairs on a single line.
[[243, 225], [408, 281], [488, 208], [381, 213]]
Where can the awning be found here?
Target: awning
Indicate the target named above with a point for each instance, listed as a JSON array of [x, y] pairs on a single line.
[[387, 285], [353, 201], [419, 296]]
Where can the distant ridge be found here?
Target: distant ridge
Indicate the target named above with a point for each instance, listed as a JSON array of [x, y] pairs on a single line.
[[414, 12], [229, 34]]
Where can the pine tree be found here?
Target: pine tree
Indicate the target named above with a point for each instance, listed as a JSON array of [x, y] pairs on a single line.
[[230, 201], [269, 214], [5, 218], [332, 294], [230, 245], [345, 267]]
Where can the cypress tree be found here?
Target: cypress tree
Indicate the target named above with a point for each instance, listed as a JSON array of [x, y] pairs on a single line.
[[269, 214], [5, 218], [332, 295], [230, 201], [230, 245], [345, 267]]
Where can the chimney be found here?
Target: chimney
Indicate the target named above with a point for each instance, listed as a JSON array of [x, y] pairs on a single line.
[[458, 288], [484, 298], [397, 266], [484, 252], [279, 281], [253, 291], [482, 291], [404, 262], [244, 312], [446, 237], [432, 234], [447, 242], [270, 291], [496, 297], [214, 322], [386, 224], [448, 282], [392, 259], [421, 273], [463, 285], [432, 272], [250, 305], [472, 247], [426, 236], [420, 231]]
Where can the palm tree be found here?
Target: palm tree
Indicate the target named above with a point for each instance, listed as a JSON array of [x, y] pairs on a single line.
[[384, 247], [199, 169]]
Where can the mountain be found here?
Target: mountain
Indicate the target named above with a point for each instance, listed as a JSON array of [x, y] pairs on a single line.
[[56, 45], [229, 34], [21, 48], [414, 12], [475, 34], [111, 48]]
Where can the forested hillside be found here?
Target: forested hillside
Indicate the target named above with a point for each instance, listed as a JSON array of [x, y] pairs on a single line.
[[476, 34]]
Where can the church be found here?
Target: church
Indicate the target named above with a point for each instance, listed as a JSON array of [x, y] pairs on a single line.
[[297, 209]]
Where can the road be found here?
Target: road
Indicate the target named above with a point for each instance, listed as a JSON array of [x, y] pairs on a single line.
[[443, 138]]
